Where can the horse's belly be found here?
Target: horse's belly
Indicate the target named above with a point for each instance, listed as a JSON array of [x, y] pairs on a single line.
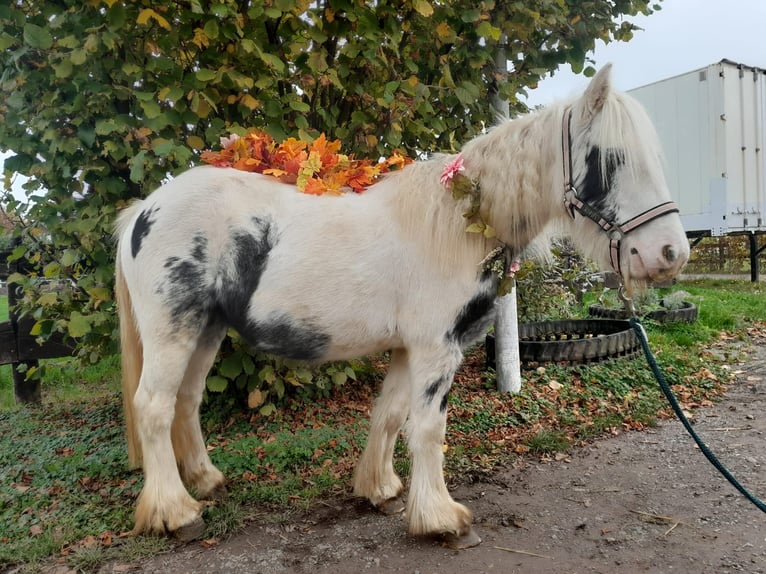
[[310, 339]]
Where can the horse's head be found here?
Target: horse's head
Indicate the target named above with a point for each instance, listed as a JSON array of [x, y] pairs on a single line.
[[615, 190]]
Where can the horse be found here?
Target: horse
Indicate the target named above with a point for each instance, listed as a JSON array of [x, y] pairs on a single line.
[[326, 278]]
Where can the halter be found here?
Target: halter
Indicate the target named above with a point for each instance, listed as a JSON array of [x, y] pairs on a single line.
[[614, 231]]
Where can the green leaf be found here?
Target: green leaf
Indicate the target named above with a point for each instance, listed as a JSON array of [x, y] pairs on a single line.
[[64, 69], [205, 75], [79, 325], [339, 378], [216, 384], [52, 269], [475, 228], [487, 30], [423, 7], [137, 166], [248, 365], [299, 106], [211, 29], [37, 37], [268, 409], [231, 366], [105, 127], [47, 299], [17, 278], [273, 61], [506, 286], [267, 374], [151, 109], [468, 93]]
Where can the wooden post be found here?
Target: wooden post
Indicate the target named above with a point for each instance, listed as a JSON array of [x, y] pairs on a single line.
[[25, 391]]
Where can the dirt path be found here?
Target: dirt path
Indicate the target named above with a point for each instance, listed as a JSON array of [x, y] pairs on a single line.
[[597, 511]]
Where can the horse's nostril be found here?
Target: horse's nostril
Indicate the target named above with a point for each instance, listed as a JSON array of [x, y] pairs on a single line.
[[669, 253], [633, 251]]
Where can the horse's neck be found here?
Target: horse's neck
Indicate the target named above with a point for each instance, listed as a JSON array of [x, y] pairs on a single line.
[[518, 165], [430, 219]]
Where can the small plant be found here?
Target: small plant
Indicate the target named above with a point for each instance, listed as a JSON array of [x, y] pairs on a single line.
[[675, 300], [548, 442]]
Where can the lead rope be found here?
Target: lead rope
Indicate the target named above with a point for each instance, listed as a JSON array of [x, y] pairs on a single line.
[[641, 334]]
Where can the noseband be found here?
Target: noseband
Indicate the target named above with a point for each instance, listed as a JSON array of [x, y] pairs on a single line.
[[614, 231]]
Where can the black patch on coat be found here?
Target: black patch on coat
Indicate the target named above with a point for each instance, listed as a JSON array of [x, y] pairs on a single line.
[[187, 285], [476, 315], [441, 384], [249, 253], [594, 187], [141, 229], [286, 337], [279, 334], [443, 403], [433, 389]]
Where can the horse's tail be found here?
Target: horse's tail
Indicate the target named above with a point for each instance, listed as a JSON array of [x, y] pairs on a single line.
[[132, 356]]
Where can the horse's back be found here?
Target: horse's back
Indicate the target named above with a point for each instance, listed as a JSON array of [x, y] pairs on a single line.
[[284, 268]]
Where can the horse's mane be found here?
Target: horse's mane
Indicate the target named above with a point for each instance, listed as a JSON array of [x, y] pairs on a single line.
[[625, 125], [429, 215], [518, 166]]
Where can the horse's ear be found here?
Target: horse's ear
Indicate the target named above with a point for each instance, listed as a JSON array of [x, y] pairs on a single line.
[[598, 90]]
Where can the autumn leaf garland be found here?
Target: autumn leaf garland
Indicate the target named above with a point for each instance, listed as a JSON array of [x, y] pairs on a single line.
[[315, 168]]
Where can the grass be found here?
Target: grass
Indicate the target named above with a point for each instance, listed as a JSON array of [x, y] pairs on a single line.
[[65, 491]]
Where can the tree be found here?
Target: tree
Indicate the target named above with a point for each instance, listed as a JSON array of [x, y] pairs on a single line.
[[103, 99]]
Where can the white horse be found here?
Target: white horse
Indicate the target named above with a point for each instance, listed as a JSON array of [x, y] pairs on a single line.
[[328, 278]]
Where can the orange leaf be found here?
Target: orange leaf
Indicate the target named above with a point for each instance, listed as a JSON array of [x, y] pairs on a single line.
[[276, 172], [315, 186], [247, 164]]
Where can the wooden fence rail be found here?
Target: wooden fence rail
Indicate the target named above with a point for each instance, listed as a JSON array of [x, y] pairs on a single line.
[[17, 346]]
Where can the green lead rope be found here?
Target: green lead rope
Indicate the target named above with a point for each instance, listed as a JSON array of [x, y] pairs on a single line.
[[641, 334]]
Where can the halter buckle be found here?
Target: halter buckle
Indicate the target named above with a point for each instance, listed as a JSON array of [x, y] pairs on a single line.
[[616, 234], [570, 193]]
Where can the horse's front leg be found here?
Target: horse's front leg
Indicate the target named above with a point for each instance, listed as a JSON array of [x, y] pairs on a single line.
[[374, 477], [430, 508]]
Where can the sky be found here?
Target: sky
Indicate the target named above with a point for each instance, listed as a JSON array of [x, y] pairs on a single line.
[[684, 35]]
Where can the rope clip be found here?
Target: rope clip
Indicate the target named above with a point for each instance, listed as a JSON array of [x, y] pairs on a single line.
[[626, 301]]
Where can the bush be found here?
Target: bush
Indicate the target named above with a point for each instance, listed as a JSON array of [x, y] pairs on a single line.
[[553, 288]]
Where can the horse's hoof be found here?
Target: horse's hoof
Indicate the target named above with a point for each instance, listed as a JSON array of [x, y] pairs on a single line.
[[191, 531], [219, 493], [461, 542], [392, 506]]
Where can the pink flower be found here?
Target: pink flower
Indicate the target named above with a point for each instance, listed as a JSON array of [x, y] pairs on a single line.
[[515, 266], [226, 142], [451, 170]]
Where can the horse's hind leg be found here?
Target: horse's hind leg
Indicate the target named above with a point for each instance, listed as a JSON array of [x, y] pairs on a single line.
[[430, 508], [374, 477], [164, 505], [197, 471]]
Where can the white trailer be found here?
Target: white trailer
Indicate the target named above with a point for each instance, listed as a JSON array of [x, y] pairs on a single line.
[[712, 125]]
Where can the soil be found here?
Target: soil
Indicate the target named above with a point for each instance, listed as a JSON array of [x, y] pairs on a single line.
[[637, 502]]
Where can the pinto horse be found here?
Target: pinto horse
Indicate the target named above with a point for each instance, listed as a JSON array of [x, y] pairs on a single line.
[[323, 278]]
